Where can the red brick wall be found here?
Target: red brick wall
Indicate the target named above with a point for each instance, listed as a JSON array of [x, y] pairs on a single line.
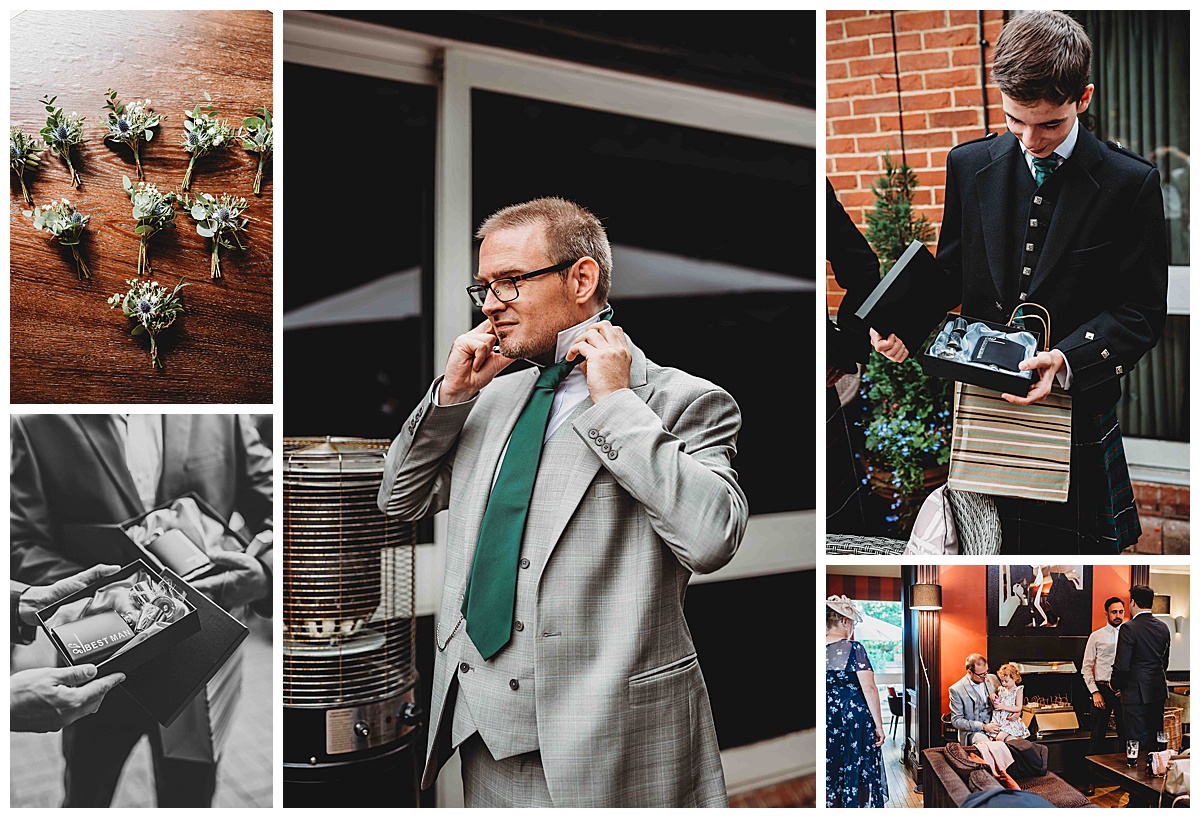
[[938, 54]]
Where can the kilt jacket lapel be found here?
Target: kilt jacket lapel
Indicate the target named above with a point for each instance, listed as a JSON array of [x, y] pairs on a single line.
[[623, 716]]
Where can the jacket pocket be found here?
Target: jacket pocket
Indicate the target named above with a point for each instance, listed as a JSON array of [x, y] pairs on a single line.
[[652, 685], [1087, 255]]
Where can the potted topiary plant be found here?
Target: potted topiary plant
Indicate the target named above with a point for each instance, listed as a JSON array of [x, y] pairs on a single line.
[[907, 416]]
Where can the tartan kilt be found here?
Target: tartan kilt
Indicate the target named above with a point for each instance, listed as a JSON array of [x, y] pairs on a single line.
[[1100, 515]]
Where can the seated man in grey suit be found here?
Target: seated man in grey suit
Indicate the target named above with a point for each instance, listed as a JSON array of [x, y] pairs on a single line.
[[971, 702]]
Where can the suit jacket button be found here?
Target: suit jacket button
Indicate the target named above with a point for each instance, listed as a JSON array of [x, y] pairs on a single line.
[[612, 455], [1037, 199], [1091, 336], [524, 562], [1104, 354], [464, 668], [1120, 369], [600, 440], [519, 626], [592, 433], [999, 306], [514, 684], [606, 448]]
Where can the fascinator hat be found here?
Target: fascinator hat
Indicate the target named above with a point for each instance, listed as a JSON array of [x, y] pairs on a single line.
[[842, 605]]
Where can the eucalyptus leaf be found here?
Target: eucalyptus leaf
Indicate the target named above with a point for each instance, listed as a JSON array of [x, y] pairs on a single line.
[[198, 212]]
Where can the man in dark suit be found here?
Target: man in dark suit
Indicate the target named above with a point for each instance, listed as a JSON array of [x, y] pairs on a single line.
[[847, 344], [76, 470], [1047, 214], [1139, 672]]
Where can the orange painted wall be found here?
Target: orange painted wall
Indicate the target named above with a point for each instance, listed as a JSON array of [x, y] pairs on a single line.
[[963, 620], [1108, 581], [964, 611]]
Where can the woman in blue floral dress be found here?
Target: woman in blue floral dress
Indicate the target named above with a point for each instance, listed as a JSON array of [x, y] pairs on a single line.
[[854, 774]]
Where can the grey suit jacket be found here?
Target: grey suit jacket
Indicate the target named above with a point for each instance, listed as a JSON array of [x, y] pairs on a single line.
[[645, 497], [967, 713]]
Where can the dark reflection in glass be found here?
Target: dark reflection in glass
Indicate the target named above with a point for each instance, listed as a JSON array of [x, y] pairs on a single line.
[[357, 241], [712, 242]]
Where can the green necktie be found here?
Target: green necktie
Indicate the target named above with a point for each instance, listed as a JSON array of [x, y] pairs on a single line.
[[1042, 168], [492, 587]]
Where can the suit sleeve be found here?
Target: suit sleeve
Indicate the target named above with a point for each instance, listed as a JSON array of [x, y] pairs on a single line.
[[958, 717], [682, 476], [1121, 335], [256, 497], [34, 556], [418, 468], [856, 269], [1121, 668], [21, 633]]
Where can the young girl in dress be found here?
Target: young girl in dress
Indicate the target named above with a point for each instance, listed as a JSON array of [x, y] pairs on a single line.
[[1007, 704]]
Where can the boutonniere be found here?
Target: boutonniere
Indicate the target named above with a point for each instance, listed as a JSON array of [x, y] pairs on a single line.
[[130, 124], [62, 221], [23, 154], [258, 136], [205, 134], [219, 218], [63, 132], [153, 211], [152, 307]]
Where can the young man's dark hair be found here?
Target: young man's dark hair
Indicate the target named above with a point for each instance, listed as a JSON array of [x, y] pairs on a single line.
[[1042, 55], [1112, 600], [1142, 596]]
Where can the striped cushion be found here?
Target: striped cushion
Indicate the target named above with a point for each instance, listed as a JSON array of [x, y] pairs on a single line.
[[1001, 448]]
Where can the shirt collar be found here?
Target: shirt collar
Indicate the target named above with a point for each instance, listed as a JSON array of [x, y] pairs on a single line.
[[1064, 150], [570, 335]]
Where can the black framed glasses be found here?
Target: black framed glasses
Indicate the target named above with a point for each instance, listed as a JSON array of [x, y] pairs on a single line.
[[505, 289]]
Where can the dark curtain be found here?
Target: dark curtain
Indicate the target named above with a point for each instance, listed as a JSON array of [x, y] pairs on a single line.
[[1140, 67]]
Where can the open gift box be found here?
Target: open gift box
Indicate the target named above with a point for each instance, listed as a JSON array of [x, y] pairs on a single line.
[[165, 671], [175, 549], [989, 357]]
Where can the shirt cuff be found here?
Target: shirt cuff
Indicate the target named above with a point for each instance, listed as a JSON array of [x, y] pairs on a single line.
[[1064, 376]]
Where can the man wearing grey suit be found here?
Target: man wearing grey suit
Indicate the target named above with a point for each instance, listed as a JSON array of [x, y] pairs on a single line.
[[971, 702], [565, 672]]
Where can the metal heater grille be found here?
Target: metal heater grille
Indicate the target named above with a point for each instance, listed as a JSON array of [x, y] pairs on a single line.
[[349, 578]]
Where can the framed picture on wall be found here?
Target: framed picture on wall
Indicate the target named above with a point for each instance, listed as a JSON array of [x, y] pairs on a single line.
[[1039, 600]]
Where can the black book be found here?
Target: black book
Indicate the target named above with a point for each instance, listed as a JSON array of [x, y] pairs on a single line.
[[905, 301]]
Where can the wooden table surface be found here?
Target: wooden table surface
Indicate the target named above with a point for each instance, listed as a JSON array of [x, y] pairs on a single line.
[[1137, 780], [68, 346]]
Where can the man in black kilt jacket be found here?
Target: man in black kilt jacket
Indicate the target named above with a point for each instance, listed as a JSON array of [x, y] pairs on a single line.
[[1048, 214]]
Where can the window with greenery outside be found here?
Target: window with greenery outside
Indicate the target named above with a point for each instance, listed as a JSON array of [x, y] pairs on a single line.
[[907, 415]]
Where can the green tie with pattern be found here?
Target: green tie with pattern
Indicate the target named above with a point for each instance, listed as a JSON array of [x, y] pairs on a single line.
[[1042, 168], [492, 587]]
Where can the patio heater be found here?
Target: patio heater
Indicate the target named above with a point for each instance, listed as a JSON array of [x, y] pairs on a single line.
[[353, 734]]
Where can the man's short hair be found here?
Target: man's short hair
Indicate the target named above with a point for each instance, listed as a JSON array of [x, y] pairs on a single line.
[[973, 658], [1042, 55], [571, 232], [1142, 596], [1108, 603]]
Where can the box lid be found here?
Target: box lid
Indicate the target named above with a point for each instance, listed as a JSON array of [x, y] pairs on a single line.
[[901, 302]]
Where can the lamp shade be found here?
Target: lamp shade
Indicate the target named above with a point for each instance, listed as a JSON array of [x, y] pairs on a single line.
[[926, 597], [1162, 604]]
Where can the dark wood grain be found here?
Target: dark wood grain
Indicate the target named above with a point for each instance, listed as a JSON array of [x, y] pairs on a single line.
[[67, 345]]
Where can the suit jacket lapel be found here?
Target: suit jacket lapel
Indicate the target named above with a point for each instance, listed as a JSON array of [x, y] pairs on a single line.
[[584, 464], [177, 436], [1075, 199], [101, 433], [993, 183]]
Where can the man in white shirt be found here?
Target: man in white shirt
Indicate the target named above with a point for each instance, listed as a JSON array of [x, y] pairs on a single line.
[[1098, 659]]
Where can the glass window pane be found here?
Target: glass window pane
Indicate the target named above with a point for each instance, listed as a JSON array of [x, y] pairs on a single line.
[[359, 232]]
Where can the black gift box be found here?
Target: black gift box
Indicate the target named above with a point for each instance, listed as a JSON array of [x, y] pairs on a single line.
[[164, 673], [999, 380], [96, 543], [900, 302], [139, 654]]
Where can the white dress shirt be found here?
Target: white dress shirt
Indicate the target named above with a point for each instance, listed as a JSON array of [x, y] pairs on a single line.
[[142, 441], [1098, 657]]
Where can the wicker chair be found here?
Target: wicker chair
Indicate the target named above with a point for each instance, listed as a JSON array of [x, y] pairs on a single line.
[[975, 519]]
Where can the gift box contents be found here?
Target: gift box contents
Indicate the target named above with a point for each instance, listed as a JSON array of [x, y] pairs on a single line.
[[982, 353], [122, 621]]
